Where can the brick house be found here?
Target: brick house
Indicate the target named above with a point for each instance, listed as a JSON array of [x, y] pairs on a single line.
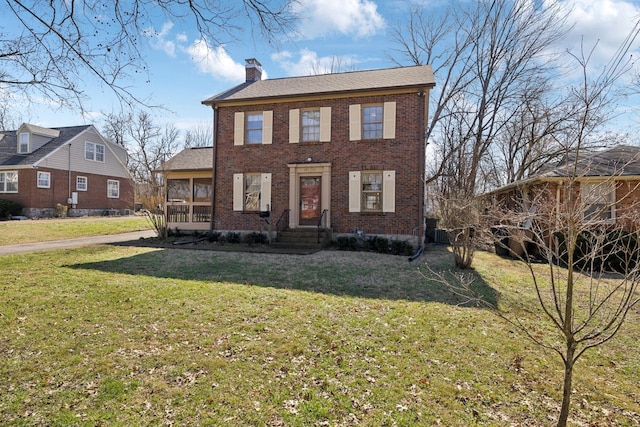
[[73, 166], [343, 151], [599, 191]]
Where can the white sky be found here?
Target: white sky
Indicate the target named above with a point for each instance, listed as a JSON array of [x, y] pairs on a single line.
[[184, 71]]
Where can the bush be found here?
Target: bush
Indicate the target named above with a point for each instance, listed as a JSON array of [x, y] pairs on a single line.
[[347, 243], [9, 208], [602, 251], [232, 237], [256, 237], [401, 247], [213, 236]]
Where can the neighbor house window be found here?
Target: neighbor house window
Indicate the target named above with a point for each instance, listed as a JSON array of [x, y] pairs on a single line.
[[94, 152], [178, 190], [373, 121], [44, 179], [599, 200], [372, 191], [251, 192], [9, 182], [113, 189], [253, 128], [81, 183], [23, 145]]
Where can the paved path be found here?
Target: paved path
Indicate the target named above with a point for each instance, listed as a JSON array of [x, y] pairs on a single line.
[[73, 243]]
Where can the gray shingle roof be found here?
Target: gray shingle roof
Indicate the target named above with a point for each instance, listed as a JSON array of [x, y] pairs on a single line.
[[621, 160], [389, 78], [8, 146], [195, 158]]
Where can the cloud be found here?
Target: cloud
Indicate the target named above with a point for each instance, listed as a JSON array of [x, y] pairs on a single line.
[[308, 63], [159, 39], [603, 22], [216, 61], [357, 18]]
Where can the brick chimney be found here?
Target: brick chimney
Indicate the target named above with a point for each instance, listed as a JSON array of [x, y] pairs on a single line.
[[253, 69]]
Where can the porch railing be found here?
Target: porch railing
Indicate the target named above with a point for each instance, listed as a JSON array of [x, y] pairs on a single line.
[[322, 222]]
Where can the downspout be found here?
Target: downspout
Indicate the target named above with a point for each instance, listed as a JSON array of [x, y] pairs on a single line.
[[213, 168], [423, 112], [69, 177]]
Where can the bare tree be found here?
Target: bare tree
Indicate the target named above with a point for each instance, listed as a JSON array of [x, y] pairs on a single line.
[[488, 56], [583, 222], [200, 135], [148, 146], [49, 48]]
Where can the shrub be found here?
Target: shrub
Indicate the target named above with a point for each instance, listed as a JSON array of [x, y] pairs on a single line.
[[233, 237], [401, 247], [256, 237], [347, 243], [9, 208], [600, 250], [213, 236]]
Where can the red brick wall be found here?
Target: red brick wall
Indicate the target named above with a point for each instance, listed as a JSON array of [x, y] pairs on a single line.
[[404, 154], [30, 196]]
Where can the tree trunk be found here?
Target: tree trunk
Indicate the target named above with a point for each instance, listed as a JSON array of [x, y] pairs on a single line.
[[566, 387]]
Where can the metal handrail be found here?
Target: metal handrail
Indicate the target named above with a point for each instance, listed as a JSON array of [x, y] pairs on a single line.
[[282, 215], [320, 222]]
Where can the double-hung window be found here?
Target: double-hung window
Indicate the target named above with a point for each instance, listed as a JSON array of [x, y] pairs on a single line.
[[599, 200], [113, 189], [44, 179], [9, 182], [372, 121], [81, 183], [310, 125], [372, 191], [23, 143], [251, 192], [94, 152], [253, 128]]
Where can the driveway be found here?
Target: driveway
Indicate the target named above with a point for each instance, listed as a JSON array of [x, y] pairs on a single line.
[[73, 243]]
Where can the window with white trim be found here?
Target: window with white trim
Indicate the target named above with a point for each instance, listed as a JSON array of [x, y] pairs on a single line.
[[44, 179], [372, 191], [9, 182], [310, 125], [23, 143], [81, 183], [251, 192], [94, 152], [253, 128], [113, 189], [599, 201], [372, 121]]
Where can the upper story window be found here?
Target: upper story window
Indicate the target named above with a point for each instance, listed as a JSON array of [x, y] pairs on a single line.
[[599, 201], [94, 152], [44, 179], [310, 125], [253, 128], [81, 183], [372, 121], [113, 189], [9, 182], [23, 142]]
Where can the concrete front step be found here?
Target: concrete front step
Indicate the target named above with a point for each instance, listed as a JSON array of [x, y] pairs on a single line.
[[303, 237]]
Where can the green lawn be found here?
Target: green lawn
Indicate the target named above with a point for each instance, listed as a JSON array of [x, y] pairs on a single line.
[[30, 231], [111, 335]]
